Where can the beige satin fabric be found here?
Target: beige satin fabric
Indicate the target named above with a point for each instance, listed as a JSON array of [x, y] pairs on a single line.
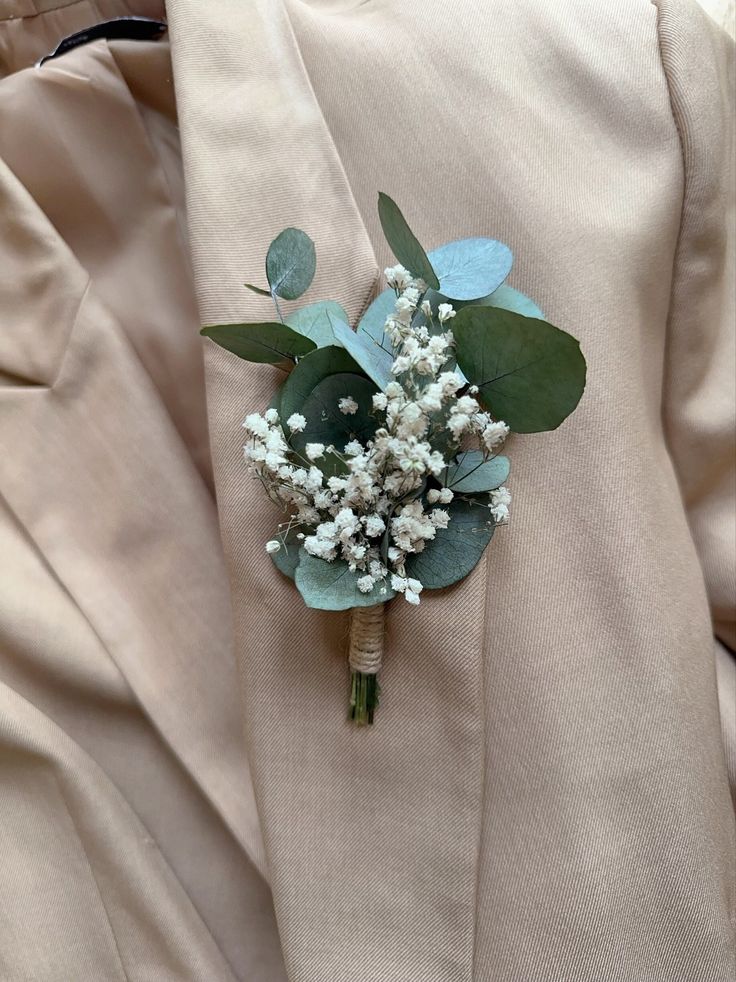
[[544, 795], [129, 837]]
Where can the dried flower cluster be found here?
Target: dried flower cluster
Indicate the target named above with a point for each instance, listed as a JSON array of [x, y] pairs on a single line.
[[384, 500]]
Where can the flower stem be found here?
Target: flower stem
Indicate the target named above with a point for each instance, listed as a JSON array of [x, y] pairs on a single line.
[[364, 693], [366, 649]]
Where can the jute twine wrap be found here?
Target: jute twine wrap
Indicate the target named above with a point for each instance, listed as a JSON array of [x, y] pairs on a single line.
[[366, 639]]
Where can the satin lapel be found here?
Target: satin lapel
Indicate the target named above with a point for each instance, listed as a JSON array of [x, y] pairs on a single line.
[[93, 466], [371, 835]]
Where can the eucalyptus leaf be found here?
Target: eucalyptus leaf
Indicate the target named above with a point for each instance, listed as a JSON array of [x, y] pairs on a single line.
[[373, 320], [472, 473], [310, 370], [315, 321], [287, 558], [456, 550], [332, 586], [291, 262], [529, 373], [260, 342], [327, 424], [469, 269], [510, 299], [374, 360], [403, 242], [275, 402]]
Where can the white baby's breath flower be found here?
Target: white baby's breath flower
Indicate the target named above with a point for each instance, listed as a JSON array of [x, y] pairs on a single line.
[[494, 434], [445, 311], [374, 525], [272, 416], [273, 545], [296, 422], [348, 406], [365, 583], [379, 400], [411, 596], [353, 449], [397, 276], [256, 424], [439, 518], [446, 496], [398, 583], [314, 450]]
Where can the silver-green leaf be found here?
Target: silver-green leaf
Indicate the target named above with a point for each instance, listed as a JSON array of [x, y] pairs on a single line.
[[291, 262], [287, 558], [332, 586], [469, 269], [315, 321], [375, 360], [373, 320], [510, 299]]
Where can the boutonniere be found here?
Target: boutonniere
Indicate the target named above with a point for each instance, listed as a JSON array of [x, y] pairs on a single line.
[[382, 445]]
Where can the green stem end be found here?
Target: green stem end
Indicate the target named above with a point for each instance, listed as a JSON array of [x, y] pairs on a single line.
[[364, 693]]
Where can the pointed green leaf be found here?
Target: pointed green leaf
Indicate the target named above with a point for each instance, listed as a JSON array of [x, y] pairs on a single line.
[[471, 268], [260, 342], [375, 361], [327, 424], [310, 370], [291, 262], [257, 289], [403, 242], [530, 374], [473, 473], [456, 550], [332, 586], [315, 321]]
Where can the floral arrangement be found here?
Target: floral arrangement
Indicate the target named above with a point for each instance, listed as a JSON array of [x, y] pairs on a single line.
[[382, 445]]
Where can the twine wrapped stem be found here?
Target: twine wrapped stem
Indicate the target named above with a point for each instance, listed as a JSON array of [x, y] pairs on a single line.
[[364, 657]]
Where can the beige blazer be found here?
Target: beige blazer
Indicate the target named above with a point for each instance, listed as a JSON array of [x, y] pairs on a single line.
[[545, 794]]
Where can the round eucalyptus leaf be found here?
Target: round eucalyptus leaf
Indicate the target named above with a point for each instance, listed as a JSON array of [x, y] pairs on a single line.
[[471, 268], [287, 558], [291, 262], [315, 321], [529, 373], [456, 550], [375, 361], [510, 299], [472, 473], [404, 244], [332, 586], [260, 342], [327, 424], [310, 370]]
